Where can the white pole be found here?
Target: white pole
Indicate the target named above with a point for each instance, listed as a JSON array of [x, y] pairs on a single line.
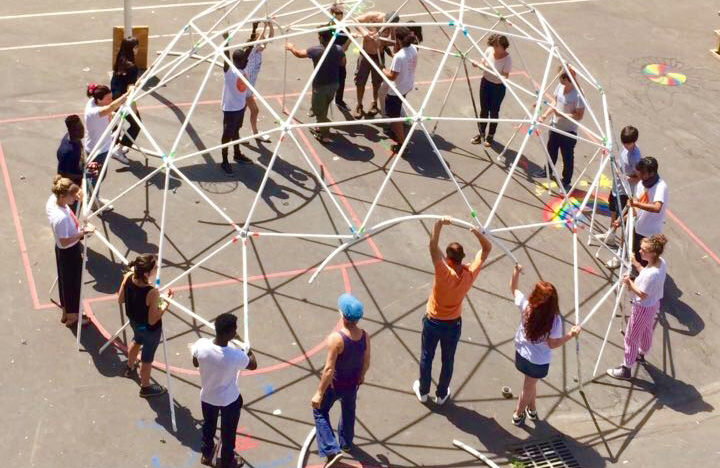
[[246, 318], [127, 17], [169, 382], [475, 453]]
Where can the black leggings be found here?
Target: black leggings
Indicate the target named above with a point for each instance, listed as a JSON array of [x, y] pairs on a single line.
[[132, 132], [339, 94], [69, 268], [491, 96]]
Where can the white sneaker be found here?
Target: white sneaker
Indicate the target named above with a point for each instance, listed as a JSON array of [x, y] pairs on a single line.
[[441, 401], [103, 202], [607, 238], [125, 149], [416, 389], [263, 138], [120, 156], [613, 263]]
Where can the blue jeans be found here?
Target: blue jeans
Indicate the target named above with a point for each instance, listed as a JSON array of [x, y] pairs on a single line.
[[448, 334], [566, 146], [327, 444]]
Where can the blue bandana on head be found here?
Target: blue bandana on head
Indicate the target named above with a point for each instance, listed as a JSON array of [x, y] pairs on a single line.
[[350, 307]]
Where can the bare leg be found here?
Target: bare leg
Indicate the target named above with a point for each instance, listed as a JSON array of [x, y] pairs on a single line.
[[376, 93], [398, 132], [254, 111], [133, 351], [145, 368], [527, 396]]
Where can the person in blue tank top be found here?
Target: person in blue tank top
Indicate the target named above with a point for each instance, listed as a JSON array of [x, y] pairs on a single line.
[[347, 362]]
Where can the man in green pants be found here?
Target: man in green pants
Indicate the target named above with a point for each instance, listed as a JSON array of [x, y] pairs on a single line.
[[325, 83]]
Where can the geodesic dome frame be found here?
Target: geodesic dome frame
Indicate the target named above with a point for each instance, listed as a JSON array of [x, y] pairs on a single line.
[[523, 25]]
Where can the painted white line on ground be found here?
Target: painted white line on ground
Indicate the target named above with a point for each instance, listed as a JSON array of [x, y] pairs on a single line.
[[99, 41], [102, 10]]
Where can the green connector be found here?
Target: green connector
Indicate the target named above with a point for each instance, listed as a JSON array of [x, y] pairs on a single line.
[[473, 214]]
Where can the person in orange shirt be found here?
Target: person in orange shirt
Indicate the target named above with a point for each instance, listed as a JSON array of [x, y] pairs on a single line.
[[442, 322]]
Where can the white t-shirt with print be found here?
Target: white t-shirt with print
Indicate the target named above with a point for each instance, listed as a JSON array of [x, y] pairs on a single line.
[[651, 281], [503, 65], [95, 125], [62, 221], [404, 64], [536, 352], [234, 92], [647, 223], [219, 367], [568, 104]]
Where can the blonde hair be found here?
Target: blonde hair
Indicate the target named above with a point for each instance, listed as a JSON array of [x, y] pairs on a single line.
[[657, 243], [63, 186]]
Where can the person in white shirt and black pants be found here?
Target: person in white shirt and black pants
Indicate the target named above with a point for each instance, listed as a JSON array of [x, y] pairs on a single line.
[[68, 248], [402, 73], [219, 365]]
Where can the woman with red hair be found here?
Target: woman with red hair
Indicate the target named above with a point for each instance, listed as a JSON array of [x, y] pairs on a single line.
[[540, 331]]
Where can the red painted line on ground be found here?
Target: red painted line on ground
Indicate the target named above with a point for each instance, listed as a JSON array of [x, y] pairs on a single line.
[[693, 236], [346, 280]]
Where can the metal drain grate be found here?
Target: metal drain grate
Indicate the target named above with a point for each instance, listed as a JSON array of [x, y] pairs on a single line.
[[545, 453]]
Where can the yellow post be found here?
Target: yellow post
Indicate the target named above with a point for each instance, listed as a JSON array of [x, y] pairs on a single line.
[[141, 34]]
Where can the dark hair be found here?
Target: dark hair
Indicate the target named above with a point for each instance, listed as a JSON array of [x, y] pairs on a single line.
[[74, 126], [540, 313], [657, 243], [225, 324], [143, 265], [564, 74], [392, 17], [629, 134], [498, 39], [404, 37], [62, 186], [240, 57], [647, 164], [336, 9], [417, 30], [125, 58], [455, 252], [325, 36], [97, 92]]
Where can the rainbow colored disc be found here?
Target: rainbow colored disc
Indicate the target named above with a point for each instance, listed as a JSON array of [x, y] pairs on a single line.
[[662, 74]]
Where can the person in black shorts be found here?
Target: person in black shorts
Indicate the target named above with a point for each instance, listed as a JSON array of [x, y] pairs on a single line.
[[343, 41], [144, 308]]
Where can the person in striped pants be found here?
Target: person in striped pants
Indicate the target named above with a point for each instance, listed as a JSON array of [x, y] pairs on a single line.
[[648, 290]]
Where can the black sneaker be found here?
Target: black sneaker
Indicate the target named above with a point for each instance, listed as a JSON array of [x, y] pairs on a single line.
[[539, 174], [333, 459], [131, 371], [346, 448], [241, 158], [640, 358], [619, 372], [226, 167], [152, 390], [236, 462]]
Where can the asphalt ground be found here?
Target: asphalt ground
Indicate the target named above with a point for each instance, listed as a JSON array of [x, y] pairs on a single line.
[[74, 408]]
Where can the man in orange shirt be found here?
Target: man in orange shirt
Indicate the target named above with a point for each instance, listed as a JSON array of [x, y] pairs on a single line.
[[442, 322]]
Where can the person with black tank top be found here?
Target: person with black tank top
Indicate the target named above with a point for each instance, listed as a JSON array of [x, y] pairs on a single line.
[[144, 308], [347, 362]]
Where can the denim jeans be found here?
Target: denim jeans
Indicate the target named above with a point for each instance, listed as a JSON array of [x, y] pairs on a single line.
[[229, 418], [327, 444], [448, 334], [491, 96], [566, 146]]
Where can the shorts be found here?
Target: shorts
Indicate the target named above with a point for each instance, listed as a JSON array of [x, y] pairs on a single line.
[[393, 106], [612, 202], [364, 69], [536, 371], [148, 338], [232, 122]]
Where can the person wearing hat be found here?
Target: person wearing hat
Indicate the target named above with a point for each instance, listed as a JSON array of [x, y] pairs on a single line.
[[441, 322], [347, 362]]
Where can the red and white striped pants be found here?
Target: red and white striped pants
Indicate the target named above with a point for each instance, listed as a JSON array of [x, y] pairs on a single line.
[[639, 332]]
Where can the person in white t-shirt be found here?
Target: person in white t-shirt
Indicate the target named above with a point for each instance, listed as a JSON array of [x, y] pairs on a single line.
[[402, 73], [647, 289], [98, 113], [68, 250], [648, 203], [252, 70], [540, 330], [233, 103], [492, 89], [220, 365], [567, 108]]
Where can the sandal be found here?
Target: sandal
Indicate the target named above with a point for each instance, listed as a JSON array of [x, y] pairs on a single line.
[[358, 114], [131, 371], [323, 139], [477, 139], [489, 141], [85, 322], [374, 110]]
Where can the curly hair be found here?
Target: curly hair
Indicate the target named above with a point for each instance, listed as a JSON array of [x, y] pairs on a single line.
[[657, 243], [540, 313]]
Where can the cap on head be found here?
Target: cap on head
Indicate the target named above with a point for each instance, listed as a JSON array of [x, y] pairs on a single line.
[[350, 307]]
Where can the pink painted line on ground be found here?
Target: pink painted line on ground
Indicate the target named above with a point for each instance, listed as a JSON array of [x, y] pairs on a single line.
[[346, 280], [694, 237]]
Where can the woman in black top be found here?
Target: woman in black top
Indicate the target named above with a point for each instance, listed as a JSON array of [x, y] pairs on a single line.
[[144, 308], [125, 73]]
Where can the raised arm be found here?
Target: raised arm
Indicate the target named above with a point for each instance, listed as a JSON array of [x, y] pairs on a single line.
[[435, 252], [515, 278], [299, 53], [226, 63], [335, 345], [482, 255]]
